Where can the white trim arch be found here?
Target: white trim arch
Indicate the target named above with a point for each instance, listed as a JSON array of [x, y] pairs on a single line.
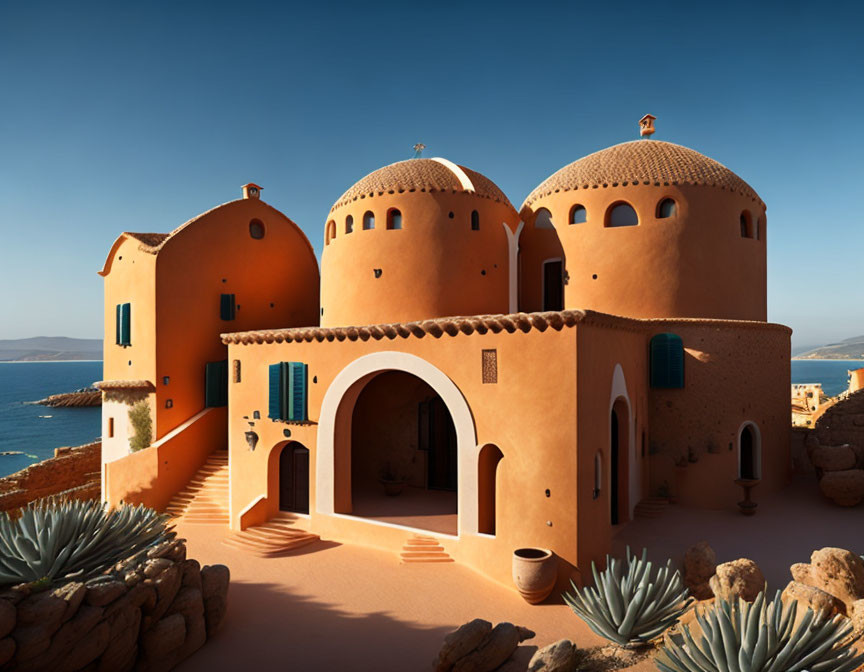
[[346, 387], [757, 447], [619, 391]]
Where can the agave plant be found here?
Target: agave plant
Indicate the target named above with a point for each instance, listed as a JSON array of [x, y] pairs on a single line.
[[761, 637], [633, 605], [74, 539]]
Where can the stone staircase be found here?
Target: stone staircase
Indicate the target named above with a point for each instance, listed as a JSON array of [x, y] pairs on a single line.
[[204, 500], [278, 535], [420, 548], [651, 507]]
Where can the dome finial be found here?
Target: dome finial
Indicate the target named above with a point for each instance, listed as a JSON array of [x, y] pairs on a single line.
[[418, 150], [646, 125]]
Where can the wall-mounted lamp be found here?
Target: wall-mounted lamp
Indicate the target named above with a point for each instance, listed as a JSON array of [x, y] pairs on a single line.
[[251, 439]]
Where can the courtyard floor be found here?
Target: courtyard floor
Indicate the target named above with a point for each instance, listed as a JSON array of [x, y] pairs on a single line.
[[331, 606]]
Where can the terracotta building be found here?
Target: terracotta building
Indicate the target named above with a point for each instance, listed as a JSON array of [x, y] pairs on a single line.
[[476, 378]]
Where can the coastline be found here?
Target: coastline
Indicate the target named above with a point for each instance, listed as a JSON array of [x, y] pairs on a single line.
[[46, 361], [824, 359]]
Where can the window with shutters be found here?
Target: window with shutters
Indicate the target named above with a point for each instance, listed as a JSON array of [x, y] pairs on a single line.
[[124, 324], [216, 384], [667, 361], [288, 392], [227, 307], [475, 220]]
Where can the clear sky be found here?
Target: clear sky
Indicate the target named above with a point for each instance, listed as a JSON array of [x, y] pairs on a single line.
[[138, 116]]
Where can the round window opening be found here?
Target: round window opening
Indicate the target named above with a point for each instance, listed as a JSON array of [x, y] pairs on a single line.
[[256, 229]]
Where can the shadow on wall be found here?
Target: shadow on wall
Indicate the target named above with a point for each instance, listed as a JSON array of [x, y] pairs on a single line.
[[271, 627]]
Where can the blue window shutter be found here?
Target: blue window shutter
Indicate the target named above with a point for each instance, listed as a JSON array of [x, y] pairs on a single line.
[[276, 392], [126, 324], [227, 307], [667, 361], [297, 391], [118, 323]]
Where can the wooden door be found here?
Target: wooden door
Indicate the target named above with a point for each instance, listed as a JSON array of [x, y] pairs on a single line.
[[294, 479]]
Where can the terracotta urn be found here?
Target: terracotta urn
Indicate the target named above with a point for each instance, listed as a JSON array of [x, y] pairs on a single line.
[[535, 571]]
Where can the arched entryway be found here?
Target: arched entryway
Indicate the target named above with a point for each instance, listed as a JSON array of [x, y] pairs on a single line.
[[619, 451], [487, 488], [749, 452], [294, 478]]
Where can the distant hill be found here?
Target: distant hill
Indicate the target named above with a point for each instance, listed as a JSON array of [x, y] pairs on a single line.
[[49, 348], [851, 348]]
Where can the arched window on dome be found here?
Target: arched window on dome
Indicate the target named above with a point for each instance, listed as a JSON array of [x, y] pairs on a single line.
[[475, 220], [621, 214], [543, 219], [349, 224], [368, 221], [578, 214], [746, 232], [394, 219], [666, 208], [331, 232]]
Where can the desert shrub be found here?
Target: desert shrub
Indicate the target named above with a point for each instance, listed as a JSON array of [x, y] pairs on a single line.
[[55, 539], [142, 426]]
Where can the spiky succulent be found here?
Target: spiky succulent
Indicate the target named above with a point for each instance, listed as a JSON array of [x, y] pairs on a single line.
[[737, 636], [54, 540], [631, 605]]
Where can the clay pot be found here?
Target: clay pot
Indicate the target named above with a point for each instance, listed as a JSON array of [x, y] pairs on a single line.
[[535, 571]]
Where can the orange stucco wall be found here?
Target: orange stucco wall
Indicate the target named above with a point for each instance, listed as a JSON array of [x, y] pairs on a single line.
[[434, 266], [856, 380], [695, 264]]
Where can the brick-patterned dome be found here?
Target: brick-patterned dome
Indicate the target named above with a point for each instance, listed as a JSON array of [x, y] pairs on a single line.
[[645, 162], [429, 175]]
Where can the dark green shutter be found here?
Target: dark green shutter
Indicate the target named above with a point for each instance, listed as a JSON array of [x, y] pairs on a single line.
[[287, 382], [125, 323], [216, 384], [297, 391], [227, 307], [276, 392], [667, 361]]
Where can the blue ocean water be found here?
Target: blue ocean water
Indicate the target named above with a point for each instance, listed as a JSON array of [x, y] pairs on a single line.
[[832, 373], [38, 430]]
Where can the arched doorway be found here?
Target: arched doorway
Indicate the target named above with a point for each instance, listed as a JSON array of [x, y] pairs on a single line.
[[403, 454], [749, 457], [487, 487], [619, 436], [294, 478]]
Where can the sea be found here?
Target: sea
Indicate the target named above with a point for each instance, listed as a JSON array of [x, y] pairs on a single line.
[[35, 431]]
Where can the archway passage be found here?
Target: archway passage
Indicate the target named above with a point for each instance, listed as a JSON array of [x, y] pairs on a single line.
[[294, 478], [403, 454], [748, 469], [618, 461]]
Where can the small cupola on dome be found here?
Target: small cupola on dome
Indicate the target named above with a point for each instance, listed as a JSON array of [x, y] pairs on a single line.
[[646, 125], [251, 190]]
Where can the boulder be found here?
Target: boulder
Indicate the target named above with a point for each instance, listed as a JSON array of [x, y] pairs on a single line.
[[45, 609], [89, 648], [191, 574], [73, 594], [839, 573], [101, 592], [562, 656], [809, 597], [214, 589], [845, 488], [856, 615], [164, 637], [833, 458], [700, 564], [494, 650], [461, 642], [739, 578], [7, 617]]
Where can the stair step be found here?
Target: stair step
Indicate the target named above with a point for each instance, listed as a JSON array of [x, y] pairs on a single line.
[[419, 560]]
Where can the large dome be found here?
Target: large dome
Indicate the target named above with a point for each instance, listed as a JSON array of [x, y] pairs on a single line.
[[424, 175], [647, 162]]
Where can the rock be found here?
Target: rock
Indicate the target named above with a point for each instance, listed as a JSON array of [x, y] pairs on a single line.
[[801, 573], [562, 656], [700, 563], [856, 615], [191, 574], [833, 458], [164, 637], [846, 488], [73, 594], [89, 648], [809, 597], [166, 584], [214, 588], [839, 573], [739, 578], [7, 617], [123, 645], [45, 609], [30, 641], [494, 650], [461, 642], [188, 602], [100, 593], [156, 566], [811, 443], [7, 650]]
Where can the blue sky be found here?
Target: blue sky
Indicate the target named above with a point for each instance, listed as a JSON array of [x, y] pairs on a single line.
[[137, 116]]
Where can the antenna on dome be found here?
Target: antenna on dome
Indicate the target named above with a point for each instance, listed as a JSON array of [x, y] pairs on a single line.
[[418, 150], [646, 125]]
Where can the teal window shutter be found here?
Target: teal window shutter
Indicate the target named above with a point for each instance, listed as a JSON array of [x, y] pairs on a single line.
[[297, 391], [124, 323], [227, 307], [216, 384], [276, 389], [667, 361]]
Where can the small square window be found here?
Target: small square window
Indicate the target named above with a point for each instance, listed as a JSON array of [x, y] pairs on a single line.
[[169, 403]]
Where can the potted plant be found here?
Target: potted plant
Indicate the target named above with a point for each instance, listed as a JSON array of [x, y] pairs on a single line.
[[392, 480]]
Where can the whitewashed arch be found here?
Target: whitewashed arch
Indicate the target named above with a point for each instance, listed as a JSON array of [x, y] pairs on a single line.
[[757, 446], [463, 421], [619, 391]]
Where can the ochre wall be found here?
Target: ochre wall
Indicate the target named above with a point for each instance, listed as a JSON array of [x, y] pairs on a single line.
[[695, 264], [535, 247], [434, 266]]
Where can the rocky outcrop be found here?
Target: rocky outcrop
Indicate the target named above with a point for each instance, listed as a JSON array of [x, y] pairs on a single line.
[[834, 458], [739, 578], [73, 473], [146, 615], [562, 656], [478, 647], [835, 448], [77, 399], [844, 488], [835, 571], [700, 564], [810, 597]]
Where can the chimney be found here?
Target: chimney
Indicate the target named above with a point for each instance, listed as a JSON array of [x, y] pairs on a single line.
[[251, 190], [646, 125]]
